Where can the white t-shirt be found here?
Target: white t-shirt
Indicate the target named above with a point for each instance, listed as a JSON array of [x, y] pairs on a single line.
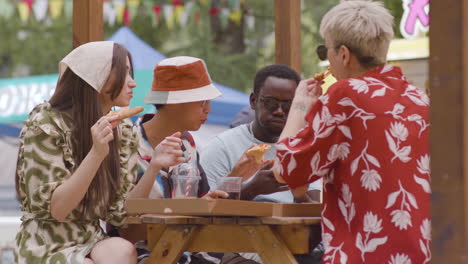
[[224, 150]]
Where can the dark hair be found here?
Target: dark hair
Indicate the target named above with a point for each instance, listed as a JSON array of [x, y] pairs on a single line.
[[81, 100], [276, 70]]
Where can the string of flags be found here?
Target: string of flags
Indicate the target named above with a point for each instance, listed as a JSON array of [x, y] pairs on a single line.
[[123, 12]]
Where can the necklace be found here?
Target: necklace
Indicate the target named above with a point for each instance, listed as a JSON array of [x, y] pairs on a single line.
[[250, 129]]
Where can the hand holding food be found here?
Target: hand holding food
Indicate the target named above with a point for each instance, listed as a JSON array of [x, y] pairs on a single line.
[[102, 134], [257, 151], [126, 112], [322, 75], [249, 164]]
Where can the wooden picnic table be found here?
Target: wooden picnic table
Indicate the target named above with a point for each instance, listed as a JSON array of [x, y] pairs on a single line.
[[274, 238]]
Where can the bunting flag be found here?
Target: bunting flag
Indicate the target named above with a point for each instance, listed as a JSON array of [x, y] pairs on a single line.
[[7, 9], [68, 8], [126, 17], [187, 10], [132, 6], [119, 6], [148, 7], [133, 3], [178, 13], [223, 17], [40, 9], [178, 10], [56, 8], [29, 3], [250, 21], [168, 11], [23, 10], [236, 16], [214, 11], [175, 12], [110, 14], [132, 12], [196, 17], [157, 14], [234, 4], [148, 4]]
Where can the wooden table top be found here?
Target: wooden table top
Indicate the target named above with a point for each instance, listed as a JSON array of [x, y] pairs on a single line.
[[220, 220]]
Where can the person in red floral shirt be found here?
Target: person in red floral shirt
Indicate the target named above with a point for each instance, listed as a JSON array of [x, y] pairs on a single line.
[[367, 137]]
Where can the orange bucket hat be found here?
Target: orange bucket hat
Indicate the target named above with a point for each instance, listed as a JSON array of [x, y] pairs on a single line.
[[181, 79]]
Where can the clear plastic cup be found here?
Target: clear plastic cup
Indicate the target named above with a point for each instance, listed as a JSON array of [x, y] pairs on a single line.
[[185, 186], [231, 185], [185, 178]]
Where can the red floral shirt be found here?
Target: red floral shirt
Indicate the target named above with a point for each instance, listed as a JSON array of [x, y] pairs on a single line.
[[368, 138]]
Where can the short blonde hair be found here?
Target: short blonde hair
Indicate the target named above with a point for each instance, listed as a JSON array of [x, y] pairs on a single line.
[[365, 27]]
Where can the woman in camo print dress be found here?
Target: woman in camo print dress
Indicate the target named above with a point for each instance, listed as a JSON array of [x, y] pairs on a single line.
[[77, 166]]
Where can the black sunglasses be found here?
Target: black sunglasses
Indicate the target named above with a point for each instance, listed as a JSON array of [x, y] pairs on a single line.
[[271, 104], [322, 51]]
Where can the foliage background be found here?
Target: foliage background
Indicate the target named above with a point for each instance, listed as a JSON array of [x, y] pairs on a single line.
[[233, 53]]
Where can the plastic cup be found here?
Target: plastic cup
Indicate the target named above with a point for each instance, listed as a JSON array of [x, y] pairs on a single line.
[[231, 185], [185, 186]]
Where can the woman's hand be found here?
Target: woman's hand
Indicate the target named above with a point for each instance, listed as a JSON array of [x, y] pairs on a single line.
[[246, 166], [102, 134], [215, 194], [307, 93], [168, 153]]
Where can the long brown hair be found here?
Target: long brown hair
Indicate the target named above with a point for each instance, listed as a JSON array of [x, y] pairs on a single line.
[[75, 96]]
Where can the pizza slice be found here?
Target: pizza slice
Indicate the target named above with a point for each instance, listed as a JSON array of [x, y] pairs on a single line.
[[258, 151]]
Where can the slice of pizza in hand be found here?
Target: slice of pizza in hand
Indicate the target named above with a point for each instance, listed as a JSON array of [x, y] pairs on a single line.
[[258, 151], [126, 112]]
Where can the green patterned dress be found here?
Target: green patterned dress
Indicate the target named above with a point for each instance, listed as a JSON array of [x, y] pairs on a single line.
[[45, 161]]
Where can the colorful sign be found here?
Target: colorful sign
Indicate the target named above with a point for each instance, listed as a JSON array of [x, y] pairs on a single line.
[[18, 96], [415, 19]]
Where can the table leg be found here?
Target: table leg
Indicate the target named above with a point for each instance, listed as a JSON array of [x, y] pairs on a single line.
[[269, 246], [153, 234], [172, 244]]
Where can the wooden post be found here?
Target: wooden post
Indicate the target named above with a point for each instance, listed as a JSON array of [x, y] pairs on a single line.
[[448, 68], [87, 21], [288, 33]]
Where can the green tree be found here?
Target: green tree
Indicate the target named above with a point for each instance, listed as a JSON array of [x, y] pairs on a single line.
[[232, 52], [35, 45]]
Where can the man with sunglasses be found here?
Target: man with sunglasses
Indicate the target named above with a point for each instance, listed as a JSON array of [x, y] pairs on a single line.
[[274, 88], [273, 91]]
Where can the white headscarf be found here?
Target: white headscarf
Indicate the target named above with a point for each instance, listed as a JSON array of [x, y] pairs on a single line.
[[92, 62]]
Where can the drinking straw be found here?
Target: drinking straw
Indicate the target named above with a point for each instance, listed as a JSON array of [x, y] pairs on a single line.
[[188, 187]]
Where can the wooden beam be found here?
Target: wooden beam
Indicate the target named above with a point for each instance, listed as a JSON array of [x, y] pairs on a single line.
[[172, 243], [288, 33], [448, 69], [87, 21]]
